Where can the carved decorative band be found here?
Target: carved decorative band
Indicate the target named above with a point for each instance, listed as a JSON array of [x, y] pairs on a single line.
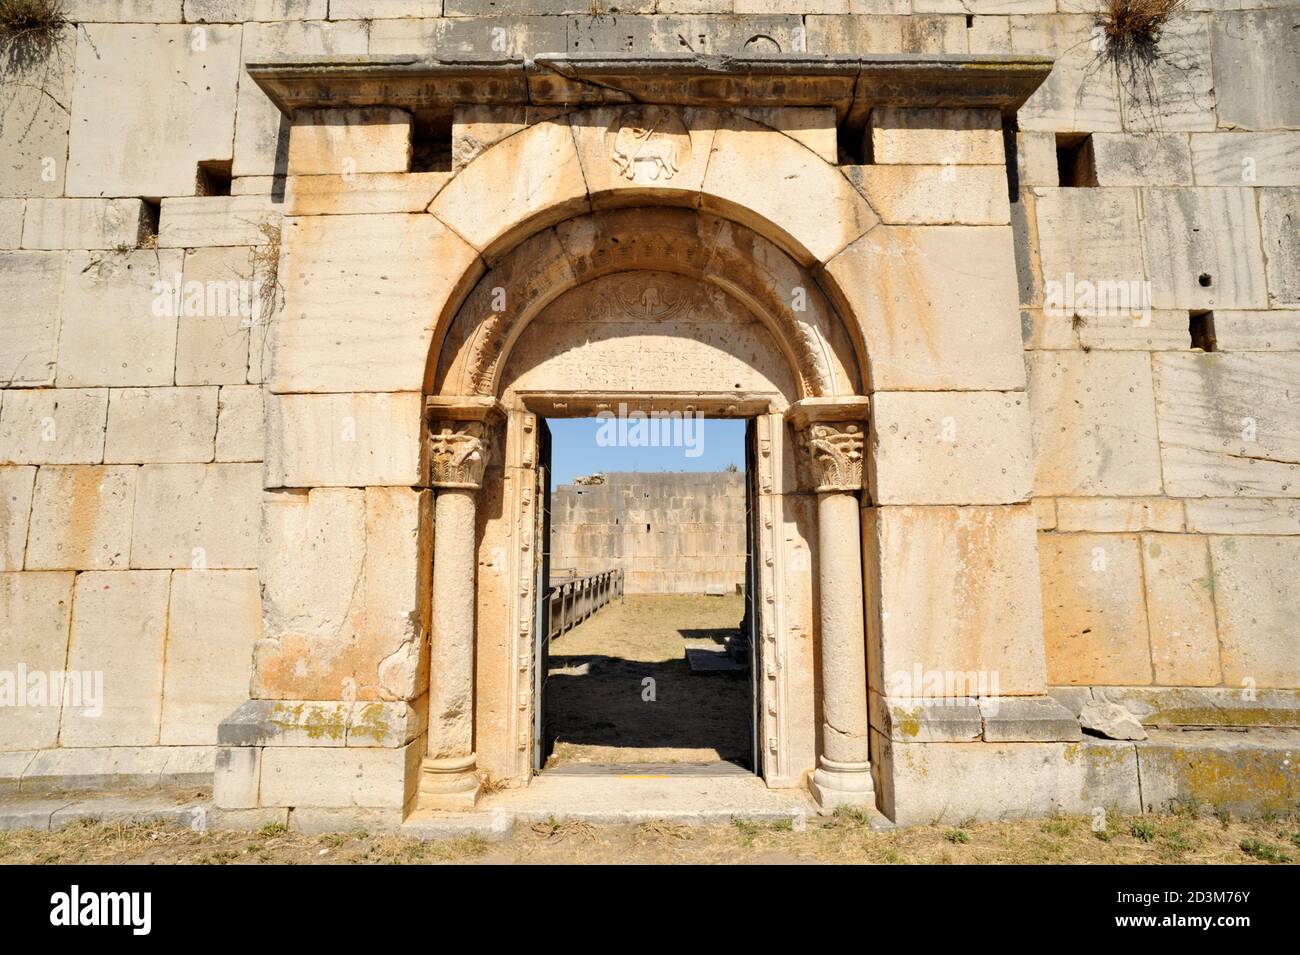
[[458, 453]]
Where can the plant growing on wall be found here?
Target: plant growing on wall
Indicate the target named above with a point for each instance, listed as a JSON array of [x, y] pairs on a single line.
[[1127, 38], [32, 32]]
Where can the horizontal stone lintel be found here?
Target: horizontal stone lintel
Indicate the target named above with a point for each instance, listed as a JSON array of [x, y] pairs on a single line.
[[851, 85]]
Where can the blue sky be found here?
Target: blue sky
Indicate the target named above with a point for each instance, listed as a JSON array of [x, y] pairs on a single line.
[[576, 449]]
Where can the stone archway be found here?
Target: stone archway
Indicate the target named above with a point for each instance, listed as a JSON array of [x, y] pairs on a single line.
[[679, 280]]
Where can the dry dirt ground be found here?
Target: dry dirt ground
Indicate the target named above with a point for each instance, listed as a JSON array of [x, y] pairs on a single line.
[[595, 706], [840, 839]]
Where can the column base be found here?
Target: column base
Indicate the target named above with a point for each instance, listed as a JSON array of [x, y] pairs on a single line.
[[842, 784], [449, 783]]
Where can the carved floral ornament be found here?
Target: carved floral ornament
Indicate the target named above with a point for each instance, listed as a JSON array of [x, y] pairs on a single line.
[[458, 453], [831, 455]]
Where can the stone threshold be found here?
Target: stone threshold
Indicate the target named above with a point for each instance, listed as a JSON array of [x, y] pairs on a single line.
[[49, 813], [852, 85]]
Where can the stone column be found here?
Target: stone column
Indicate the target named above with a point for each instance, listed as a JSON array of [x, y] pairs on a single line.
[[458, 454], [830, 436]]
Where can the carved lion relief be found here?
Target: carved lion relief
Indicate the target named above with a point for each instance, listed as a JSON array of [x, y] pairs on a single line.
[[648, 143]]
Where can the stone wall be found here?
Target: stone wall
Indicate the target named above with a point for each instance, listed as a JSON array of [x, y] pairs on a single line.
[[670, 533], [1165, 478]]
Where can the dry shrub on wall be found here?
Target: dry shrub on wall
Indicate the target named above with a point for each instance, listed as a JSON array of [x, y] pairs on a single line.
[[1130, 32], [33, 41]]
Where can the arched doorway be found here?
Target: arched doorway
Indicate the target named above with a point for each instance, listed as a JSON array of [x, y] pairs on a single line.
[[648, 309]]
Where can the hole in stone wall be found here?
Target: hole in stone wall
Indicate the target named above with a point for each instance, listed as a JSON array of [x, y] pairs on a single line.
[[212, 178], [853, 145], [431, 143], [970, 22], [1205, 280], [1076, 166], [1201, 327]]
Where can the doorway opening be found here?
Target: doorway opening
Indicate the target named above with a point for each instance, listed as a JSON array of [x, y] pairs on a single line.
[[655, 671]]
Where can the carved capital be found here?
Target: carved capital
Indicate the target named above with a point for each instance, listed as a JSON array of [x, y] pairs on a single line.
[[458, 453], [831, 455]]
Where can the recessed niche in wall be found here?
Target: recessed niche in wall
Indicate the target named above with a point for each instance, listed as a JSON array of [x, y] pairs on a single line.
[[1076, 166]]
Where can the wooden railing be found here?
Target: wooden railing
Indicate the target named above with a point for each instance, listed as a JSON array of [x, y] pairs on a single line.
[[573, 601]]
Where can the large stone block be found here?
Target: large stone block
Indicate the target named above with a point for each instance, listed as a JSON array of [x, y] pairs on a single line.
[[1279, 219], [34, 614], [964, 137], [1006, 780], [1256, 79], [1142, 159], [923, 331], [1094, 424], [261, 130], [239, 423], [330, 777], [153, 425], [1095, 621], [516, 35], [239, 11], [119, 630], [1275, 330], [11, 222], [1206, 706], [362, 193], [1119, 514], [333, 142], [1242, 774], [348, 617], [1180, 609], [34, 131], [217, 301], [950, 448], [897, 30], [1228, 424], [953, 590], [1088, 235], [1246, 159], [207, 221], [331, 337], [81, 518], [344, 440], [15, 510], [1243, 516], [32, 286], [1257, 593], [1079, 94], [213, 620], [84, 223], [935, 195], [1202, 248], [112, 331], [1175, 91], [53, 426], [752, 33], [182, 80], [200, 516]]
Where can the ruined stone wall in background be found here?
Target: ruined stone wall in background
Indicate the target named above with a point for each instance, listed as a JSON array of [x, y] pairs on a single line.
[[668, 532], [138, 163]]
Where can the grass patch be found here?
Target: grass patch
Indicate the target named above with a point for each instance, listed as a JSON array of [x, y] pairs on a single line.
[[1263, 851]]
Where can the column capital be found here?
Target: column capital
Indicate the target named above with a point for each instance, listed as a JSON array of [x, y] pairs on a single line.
[[830, 435], [461, 435]]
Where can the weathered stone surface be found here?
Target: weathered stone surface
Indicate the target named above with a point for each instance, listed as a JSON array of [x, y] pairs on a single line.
[[1279, 220], [813, 214], [15, 510], [1044, 512], [330, 337], [935, 195], [32, 285], [1036, 159], [110, 333], [966, 137], [890, 33], [81, 518], [182, 81], [1246, 159], [150, 425], [950, 448], [261, 131], [1142, 159], [1257, 595], [34, 134], [344, 440], [1176, 91], [926, 720], [200, 516], [1027, 719], [1201, 248], [1207, 706], [239, 423], [206, 221], [238, 11], [127, 11], [1276, 330], [362, 193], [813, 127], [236, 777], [214, 617], [644, 155], [310, 776], [1102, 718], [513, 35], [1095, 622], [333, 142], [1228, 425], [1180, 609], [119, 628], [957, 592], [1006, 780], [366, 723], [119, 767], [11, 223], [356, 608], [1244, 774], [1243, 516], [738, 34], [1078, 95], [1257, 81], [84, 223], [922, 331], [213, 324], [1094, 423], [34, 615], [53, 426], [1118, 514], [1087, 235]]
